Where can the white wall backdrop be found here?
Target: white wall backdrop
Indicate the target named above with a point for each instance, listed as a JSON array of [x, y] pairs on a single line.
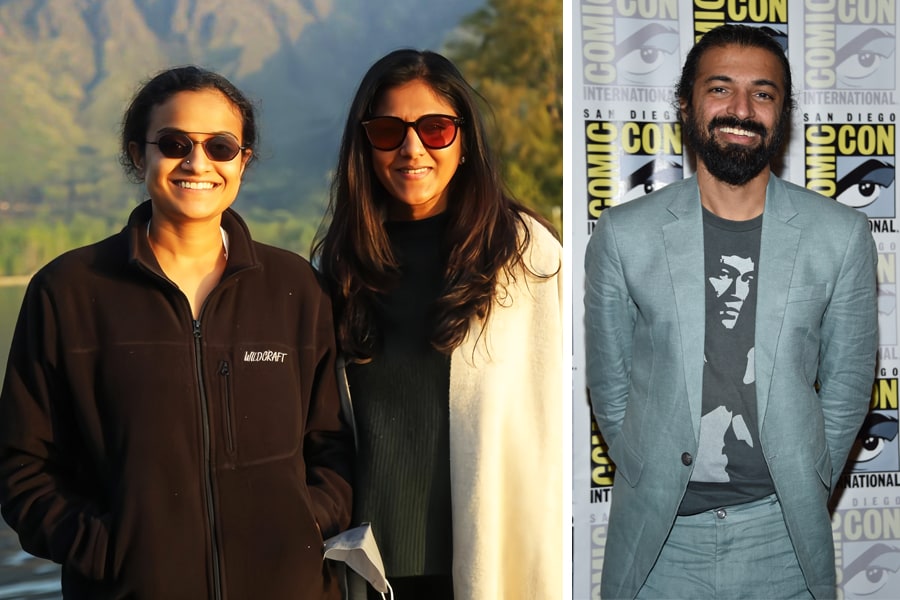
[[625, 141]]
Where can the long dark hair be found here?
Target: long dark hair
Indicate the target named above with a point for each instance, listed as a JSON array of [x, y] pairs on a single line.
[[485, 236]]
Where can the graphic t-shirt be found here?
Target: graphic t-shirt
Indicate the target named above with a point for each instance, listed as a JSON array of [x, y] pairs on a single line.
[[729, 467]]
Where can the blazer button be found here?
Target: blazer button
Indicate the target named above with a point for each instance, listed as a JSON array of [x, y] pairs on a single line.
[[687, 459]]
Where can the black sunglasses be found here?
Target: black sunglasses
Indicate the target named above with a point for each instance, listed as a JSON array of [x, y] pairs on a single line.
[[220, 147], [435, 131]]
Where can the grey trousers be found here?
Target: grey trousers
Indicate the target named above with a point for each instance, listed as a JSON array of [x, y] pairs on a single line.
[[738, 551]]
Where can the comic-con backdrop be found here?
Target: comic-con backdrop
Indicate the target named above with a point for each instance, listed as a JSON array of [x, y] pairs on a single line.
[[626, 56]]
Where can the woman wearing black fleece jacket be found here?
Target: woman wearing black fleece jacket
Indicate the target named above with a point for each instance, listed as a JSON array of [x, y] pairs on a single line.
[[169, 422]]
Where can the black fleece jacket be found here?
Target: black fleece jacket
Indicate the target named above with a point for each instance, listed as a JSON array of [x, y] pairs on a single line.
[[155, 456]]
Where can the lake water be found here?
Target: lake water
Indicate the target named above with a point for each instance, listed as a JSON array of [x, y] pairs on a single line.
[[21, 575]]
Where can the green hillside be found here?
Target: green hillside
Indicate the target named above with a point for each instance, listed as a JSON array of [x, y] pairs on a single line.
[[68, 67]]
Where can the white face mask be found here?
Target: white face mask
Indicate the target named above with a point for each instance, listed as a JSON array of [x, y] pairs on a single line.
[[357, 549]]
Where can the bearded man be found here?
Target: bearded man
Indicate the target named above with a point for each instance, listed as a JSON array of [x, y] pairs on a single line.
[[731, 332]]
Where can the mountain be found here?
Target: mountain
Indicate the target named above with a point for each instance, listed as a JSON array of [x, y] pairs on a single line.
[[68, 68]]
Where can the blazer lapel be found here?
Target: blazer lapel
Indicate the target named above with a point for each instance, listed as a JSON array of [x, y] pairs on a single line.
[[778, 252], [684, 254]]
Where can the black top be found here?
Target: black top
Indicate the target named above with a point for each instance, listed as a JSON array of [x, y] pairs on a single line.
[[401, 404]]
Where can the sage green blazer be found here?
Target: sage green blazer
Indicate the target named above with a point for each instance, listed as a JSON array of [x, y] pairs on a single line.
[[816, 343]]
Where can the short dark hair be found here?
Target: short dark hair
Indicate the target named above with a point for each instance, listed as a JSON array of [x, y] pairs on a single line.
[[733, 35], [163, 86]]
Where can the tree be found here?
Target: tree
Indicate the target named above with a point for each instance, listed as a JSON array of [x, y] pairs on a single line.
[[511, 52]]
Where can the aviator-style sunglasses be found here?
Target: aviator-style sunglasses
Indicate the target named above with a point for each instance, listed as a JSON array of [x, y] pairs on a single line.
[[435, 131], [219, 148]]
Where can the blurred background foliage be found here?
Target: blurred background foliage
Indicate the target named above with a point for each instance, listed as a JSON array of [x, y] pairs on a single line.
[[512, 54], [69, 67]]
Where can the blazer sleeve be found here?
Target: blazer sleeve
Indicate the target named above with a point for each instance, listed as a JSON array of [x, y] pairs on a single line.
[[45, 491], [610, 314], [849, 346]]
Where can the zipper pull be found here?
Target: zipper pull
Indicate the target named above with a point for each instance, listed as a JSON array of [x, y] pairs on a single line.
[[196, 331]]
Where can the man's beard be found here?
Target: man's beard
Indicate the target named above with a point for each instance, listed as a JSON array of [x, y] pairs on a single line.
[[733, 163]]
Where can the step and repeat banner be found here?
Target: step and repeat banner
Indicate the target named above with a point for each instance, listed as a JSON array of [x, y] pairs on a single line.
[[626, 58]]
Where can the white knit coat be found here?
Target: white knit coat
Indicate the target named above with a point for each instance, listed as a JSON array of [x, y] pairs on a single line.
[[506, 448]]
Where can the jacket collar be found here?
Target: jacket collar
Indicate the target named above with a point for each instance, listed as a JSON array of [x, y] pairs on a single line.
[[779, 245], [241, 252], [685, 203]]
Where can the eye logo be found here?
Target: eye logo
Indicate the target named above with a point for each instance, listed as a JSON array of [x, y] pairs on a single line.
[[867, 60], [864, 184], [645, 54], [629, 43], [878, 433], [871, 573], [853, 163], [850, 45]]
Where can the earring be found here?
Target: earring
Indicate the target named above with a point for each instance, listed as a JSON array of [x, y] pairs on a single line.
[[462, 160]]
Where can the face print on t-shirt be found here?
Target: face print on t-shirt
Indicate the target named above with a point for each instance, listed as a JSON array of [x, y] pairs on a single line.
[[726, 434], [732, 286]]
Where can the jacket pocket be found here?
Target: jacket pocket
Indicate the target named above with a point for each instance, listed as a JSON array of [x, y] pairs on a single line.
[[92, 556], [824, 468], [268, 401], [227, 405], [628, 463]]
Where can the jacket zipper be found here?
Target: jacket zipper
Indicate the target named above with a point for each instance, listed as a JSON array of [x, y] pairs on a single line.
[[210, 507], [225, 372]]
